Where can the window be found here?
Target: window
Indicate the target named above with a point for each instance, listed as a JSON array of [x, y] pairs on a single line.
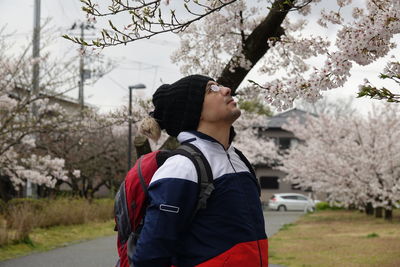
[[296, 187], [269, 182], [284, 143], [290, 197]]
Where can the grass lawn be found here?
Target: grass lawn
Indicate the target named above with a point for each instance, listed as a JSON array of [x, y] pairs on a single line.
[[46, 239], [337, 238]]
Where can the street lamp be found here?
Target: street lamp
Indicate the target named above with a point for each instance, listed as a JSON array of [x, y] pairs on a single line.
[[136, 86]]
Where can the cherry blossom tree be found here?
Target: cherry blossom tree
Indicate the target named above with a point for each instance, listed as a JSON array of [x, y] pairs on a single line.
[[294, 58], [354, 160], [19, 125], [45, 144], [363, 39], [96, 145]]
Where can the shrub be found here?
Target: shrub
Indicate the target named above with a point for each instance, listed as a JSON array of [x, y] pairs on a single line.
[[70, 211], [326, 206], [372, 235], [3, 206], [103, 209], [20, 216], [3, 232], [27, 203], [286, 226], [22, 219]]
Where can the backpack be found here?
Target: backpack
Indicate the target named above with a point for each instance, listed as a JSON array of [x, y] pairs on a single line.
[[131, 199]]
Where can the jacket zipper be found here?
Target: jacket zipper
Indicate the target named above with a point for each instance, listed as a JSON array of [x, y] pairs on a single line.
[[229, 159], [259, 252]]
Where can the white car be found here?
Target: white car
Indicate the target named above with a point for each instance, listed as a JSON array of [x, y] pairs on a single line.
[[291, 201]]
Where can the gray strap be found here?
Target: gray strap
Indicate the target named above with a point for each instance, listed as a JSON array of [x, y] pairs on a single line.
[[121, 213], [205, 178], [131, 248]]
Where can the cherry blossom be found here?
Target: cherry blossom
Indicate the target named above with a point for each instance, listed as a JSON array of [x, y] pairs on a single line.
[[286, 67], [354, 160]]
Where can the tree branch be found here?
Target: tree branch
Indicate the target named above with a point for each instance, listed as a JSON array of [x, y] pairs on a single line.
[[255, 45]]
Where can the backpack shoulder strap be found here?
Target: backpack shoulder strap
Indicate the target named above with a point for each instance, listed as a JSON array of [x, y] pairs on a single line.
[[251, 169], [122, 225], [204, 172], [141, 178]]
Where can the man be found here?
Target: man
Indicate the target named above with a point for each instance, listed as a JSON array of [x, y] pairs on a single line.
[[230, 230]]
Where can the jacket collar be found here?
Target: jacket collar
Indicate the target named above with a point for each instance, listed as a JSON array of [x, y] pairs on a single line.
[[190, 136]]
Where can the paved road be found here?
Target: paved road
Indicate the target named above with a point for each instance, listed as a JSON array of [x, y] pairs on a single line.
[[95, 253], [275, 220], [101, 252]]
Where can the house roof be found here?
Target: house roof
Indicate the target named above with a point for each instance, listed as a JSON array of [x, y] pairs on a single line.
[[61, 98], [280, 119]]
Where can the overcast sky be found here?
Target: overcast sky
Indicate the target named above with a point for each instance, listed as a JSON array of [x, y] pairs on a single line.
[[144, 61]]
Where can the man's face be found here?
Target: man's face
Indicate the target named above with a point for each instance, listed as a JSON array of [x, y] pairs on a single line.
[[219, 106]]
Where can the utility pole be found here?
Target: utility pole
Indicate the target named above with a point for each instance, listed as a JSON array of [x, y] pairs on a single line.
[[36, 48], [83, 73], [30, 188], [81, 69]]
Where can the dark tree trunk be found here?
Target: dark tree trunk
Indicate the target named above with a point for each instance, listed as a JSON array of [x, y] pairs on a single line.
[[255, 46], [7, 191], [379, 212], [369, 210], [388, 214]]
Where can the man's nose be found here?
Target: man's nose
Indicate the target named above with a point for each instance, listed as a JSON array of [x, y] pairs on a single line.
[[226, 90]]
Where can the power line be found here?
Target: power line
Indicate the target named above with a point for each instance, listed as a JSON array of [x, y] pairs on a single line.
[[117, 83], [62, 9]]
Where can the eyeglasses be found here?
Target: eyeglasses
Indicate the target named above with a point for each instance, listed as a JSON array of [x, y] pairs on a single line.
[[216, 88]]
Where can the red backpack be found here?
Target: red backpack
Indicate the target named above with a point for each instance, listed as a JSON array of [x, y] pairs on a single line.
[[131, 199]]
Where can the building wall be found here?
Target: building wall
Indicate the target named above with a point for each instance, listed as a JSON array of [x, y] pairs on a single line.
[[284, 187]]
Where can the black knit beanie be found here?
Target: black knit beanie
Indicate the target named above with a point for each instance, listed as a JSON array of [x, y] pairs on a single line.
[[178, 106]]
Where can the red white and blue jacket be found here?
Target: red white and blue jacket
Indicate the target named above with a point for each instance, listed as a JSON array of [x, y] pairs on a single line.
[[230, 231]]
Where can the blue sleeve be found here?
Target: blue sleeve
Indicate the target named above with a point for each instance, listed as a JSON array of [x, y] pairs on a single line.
[[173, 197]]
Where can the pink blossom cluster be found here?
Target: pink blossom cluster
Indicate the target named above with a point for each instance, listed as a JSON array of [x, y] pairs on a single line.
[[392, 69], [354, 160], [18, 126], [290, 53], [206, 47], [330, 16], [362, 39]]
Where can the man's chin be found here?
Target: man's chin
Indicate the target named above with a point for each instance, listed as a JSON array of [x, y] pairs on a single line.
[[236, 114]]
